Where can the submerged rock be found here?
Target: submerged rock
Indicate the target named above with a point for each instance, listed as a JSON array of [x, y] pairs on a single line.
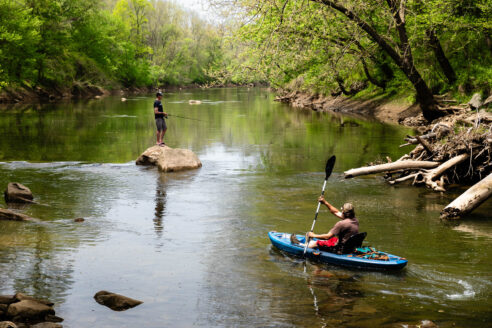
[[18, 193], [13, 216], [169, 159], [47, 325], [79, 220], [7, 299], [3, 310], [115, 302]]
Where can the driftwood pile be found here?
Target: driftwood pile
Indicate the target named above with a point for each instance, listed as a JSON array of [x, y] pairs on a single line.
[[456, 150]]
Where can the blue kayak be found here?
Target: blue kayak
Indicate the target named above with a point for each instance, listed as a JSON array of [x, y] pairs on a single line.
[[282, 241]]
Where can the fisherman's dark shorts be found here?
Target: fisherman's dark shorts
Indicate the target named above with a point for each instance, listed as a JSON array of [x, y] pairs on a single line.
[[161, 124]]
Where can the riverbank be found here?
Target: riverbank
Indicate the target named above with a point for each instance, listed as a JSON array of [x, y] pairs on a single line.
[[452, 150], [381, 109], [77, 91], [12, 95]]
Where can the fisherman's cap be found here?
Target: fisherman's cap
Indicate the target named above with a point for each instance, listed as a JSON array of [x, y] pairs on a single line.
[[158, 94]]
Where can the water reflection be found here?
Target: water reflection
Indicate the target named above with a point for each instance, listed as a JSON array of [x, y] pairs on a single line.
[[35, 266], [160, 205]]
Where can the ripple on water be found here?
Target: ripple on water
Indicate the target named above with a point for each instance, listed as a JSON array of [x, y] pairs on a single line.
[[468, 291]]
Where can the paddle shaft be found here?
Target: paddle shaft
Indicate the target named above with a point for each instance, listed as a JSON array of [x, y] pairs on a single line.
[[315, 216]]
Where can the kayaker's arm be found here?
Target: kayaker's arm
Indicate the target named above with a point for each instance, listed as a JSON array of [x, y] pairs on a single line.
[[332, 208]]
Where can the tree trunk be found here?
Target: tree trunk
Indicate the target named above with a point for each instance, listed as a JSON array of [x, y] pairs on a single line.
[[403, 59], [441, 57], [395, 166], [469, 200], [381, 84]]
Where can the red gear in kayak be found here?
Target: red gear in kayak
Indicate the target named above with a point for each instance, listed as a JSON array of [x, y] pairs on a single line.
[[327, 243]]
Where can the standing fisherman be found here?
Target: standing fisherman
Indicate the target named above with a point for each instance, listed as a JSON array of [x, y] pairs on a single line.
[[160, 122]]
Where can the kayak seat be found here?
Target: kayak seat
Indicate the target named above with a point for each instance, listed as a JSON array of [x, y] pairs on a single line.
[[352, 243]]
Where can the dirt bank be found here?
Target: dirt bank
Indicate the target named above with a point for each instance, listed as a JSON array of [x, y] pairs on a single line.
[[380, 109], [77, 91]]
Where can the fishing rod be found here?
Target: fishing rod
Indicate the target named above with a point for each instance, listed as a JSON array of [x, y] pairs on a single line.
[[188, 118]]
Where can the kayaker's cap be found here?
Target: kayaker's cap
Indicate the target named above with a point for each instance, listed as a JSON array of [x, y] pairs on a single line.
[[158, 94], [348, 210]]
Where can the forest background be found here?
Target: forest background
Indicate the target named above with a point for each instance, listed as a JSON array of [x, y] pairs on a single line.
[[409, 49]]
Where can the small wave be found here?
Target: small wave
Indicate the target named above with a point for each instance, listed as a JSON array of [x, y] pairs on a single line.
[[62, 165], [467, 293], [119, 116], [25, 164]]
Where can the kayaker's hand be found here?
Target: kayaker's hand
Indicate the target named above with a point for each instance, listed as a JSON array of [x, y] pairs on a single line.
[[322, 200]]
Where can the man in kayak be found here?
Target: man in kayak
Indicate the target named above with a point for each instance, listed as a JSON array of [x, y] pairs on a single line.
[[341, 231], [160, 122]]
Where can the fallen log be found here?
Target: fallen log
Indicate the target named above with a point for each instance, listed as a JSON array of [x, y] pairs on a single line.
[[398, 165], [424, 143], [469, 200], [430, 176]]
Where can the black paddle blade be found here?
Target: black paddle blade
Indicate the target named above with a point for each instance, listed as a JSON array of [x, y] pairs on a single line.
[[329, 166]]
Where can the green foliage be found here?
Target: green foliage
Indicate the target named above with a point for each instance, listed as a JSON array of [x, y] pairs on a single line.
[[63, 43], [311, 46], [19, 35]]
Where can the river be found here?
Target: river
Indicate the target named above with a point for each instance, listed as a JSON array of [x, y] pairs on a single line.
[[193, 245]]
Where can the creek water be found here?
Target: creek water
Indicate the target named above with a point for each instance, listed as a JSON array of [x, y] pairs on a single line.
[[193, 245]]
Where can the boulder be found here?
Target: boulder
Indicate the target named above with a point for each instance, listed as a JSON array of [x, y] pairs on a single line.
[[22, 297], [114, 301], [30, 310], [13, 216], [169, 159], [476, 101], [7, 324], [53, 318], [46, 325], [18, 193]]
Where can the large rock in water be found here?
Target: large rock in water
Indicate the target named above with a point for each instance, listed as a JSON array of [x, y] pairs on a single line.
[[169, 159], [114, 301], [18, 193]]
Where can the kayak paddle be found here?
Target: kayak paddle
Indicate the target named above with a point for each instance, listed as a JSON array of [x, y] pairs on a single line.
[[329, 167]]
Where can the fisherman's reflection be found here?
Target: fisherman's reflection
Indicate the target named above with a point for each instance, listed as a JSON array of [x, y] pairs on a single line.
[[160, 206]]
